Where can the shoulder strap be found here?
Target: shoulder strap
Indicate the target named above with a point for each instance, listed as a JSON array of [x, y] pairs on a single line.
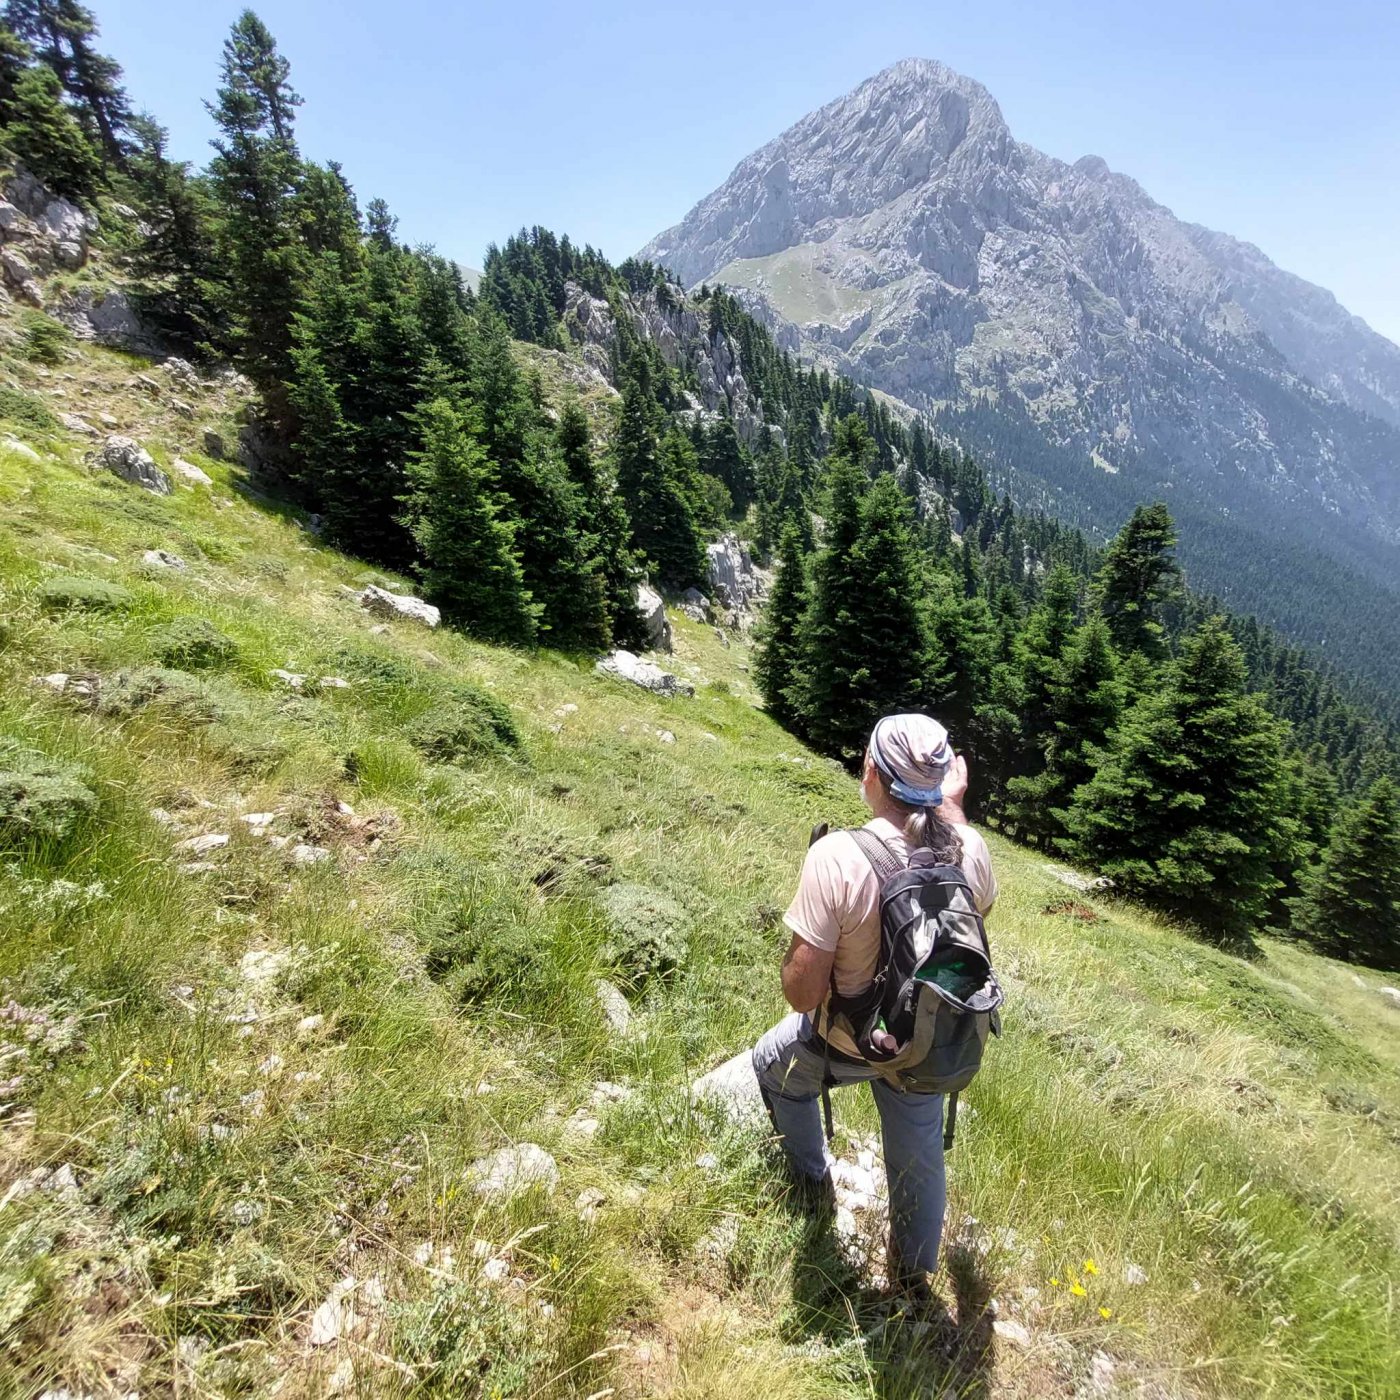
[[883, 860]]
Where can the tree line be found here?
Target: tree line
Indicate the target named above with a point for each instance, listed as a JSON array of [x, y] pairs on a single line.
[[1115, 717]]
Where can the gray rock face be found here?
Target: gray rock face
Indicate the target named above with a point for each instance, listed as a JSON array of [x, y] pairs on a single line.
[[653, 611], [514, 1170], [108, 318], [624, 666], [382, 603], [906, 238], [130, 461]]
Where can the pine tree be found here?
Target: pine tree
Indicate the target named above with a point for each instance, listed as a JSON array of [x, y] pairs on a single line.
[[1084, 702], [469, 565], [663, 528], [604, 527], [1350, 905], [777, 656], [1136, 581], [44, 137], [864, 647], [1187, 809], [256, 172]]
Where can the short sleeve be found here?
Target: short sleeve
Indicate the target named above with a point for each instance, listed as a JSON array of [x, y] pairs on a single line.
[[977, 866], [818, 912]]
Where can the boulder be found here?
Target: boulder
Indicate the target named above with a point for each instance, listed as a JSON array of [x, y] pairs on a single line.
[[191, 473], [653, 611], [614, 1005], [736, 582], [512, 1171], [17, 448], [213, 445], [382, 603], [695, 605], [625, 666], [130, 461], [1391, 994], [107, 317], [77, 424], [732, 1088], [163, 559]]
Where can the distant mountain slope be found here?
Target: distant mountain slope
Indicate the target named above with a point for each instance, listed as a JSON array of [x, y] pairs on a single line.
[[916, 245]]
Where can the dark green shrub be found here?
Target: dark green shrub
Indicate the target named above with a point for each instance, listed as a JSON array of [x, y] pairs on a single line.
[[646, 932], [192, 644], [18, 407], [75, 591], [465, 723], [40, 797], [183, 697], [46, 341]]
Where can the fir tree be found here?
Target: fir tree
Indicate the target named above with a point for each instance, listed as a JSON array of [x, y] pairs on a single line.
[[43, 135], [255, 174], [1187, 810], [1350, 905], [469, 565], [605, 529], [1137, 579], [777, 657]]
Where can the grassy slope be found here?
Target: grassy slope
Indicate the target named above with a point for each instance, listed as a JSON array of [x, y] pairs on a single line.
[[1229, 1131]]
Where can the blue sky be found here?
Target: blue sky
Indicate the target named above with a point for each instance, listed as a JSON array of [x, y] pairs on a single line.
[[1277, 122]]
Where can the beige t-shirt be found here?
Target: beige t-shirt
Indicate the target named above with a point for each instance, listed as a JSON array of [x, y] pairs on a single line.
[[837, 904]]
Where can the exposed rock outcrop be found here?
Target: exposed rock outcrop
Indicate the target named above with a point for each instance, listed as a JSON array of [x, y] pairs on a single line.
[[130, 461], [653, 611], [625, 666], [382, 603], [735, 580]]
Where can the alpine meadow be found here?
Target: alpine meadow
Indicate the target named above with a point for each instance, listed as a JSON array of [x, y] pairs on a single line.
[[415, 701]]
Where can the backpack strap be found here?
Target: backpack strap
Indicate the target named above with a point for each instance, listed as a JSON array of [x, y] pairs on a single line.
[[882, 859]]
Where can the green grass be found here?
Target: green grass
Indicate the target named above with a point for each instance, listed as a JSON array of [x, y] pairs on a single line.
[[264, 1077]]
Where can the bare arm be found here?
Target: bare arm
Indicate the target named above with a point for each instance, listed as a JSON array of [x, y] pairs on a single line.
[[806, 974], [954, 790]]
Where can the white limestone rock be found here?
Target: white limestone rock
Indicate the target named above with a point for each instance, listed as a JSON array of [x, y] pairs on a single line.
[[512, 1171], [626, 666], [382, 603], [131, 462]]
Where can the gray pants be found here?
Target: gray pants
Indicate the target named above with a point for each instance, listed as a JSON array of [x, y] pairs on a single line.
[[789, 1069]]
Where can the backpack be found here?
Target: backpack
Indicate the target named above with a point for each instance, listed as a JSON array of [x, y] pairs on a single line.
[[935, 991]]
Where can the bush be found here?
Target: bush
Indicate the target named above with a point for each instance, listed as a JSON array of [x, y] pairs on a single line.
[[183, 697], [46, 341], [74, 591], [647, 932], [465, 723], [40, 797], [192, 644], [18, 407]]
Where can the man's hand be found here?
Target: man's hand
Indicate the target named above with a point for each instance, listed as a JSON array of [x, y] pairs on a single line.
[[954, 789], [806, 974]]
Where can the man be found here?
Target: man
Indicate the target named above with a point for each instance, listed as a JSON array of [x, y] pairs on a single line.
[[913, 785]]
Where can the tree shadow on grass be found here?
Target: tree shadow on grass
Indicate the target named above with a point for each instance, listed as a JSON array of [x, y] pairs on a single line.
[[927, 1351]]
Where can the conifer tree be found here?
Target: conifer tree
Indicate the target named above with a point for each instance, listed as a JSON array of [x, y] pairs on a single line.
[[1137, 579], [256, 172], [605, 529], [43, 135], [1084, 699], [469, 566], [777, 657], [1187, 810], [1350, 905]]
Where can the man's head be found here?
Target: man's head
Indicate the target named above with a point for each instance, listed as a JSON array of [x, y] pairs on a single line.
[[905, 760]]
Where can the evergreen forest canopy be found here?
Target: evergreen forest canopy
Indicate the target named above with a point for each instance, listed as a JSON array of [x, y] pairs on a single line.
[[1114, 717]]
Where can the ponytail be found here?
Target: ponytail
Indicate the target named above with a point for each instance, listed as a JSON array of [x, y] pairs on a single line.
[[927, 827]]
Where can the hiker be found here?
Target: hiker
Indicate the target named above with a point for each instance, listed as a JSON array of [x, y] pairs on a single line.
[[913, 784]]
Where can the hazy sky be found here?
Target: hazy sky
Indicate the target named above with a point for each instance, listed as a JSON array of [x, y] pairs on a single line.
[[1274, 120]]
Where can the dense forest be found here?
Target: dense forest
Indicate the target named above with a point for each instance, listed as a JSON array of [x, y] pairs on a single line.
[[1114, 716]]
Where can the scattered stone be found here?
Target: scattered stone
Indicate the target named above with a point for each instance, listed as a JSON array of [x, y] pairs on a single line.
[[309, 855], [707, 1162], [722, 637], [625, 666], [288, 678], [202, 845], [512, 1171], [495, 1270], [213, 445], [665, 736], [1391, 994], [732, 1088], [77, 424], [263, 964], [197, 867], [258, 821], [1102, 1373], [57, 681], [615, 1005], [130, 461], [334, 1318], [163, 559], [605, 1092], [62, 1181], [570, 709], [108, 421], [590, 1202], [1013, 1332], [20, 449], [271, 1064], [333, 683], [653, 611], [582, 1124], [1134, 1275], [309, 1025], [246, 1212], [1085, 884], [191, 473], [385, 604]]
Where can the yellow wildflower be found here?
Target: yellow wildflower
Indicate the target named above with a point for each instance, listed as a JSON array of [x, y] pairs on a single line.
[[1105, 1313], [1078, 1290], [1054, 1283], [1090, 1267]]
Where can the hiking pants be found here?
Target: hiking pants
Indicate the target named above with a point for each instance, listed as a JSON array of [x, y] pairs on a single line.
[[789, 1064]]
